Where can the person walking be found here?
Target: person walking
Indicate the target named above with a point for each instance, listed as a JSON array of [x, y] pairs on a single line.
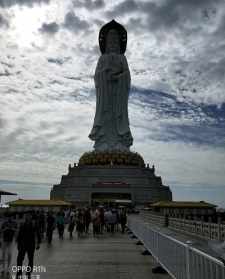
[[108, 219], [80, 222], [123, 219], [113, 221], [28, 240], [71, 225], [8, 230], [96, 220], [42, 223], [87, 219], [102, 219], [60, 221], [50, 226]]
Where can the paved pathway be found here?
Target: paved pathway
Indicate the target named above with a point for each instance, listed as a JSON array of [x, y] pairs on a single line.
[[104, 257]]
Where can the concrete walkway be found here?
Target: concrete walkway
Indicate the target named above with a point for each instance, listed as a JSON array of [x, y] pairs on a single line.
[[104, 257]]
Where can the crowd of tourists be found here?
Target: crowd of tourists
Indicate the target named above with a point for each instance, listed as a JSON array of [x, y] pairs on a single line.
[[32, 228], [102, 219]]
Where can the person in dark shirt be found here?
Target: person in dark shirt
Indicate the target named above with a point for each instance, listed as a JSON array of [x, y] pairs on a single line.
[[8, 230], [42, 223], [50, 227], [87, 219], [80, 222], [27, 240], [123, 219], [60, 221], [71, 225], [102, 220]]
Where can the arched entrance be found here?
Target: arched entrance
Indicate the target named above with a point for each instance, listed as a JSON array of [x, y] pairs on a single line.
[[106, 198]]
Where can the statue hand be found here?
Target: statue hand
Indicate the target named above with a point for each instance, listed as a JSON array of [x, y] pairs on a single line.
[[114, 76], [110, 74], [108, 69]]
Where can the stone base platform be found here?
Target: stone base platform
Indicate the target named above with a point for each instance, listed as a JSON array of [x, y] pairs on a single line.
[[85, 183]]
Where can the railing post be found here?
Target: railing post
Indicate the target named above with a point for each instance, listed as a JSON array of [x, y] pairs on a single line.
[[219, 231], [188, 275], [210, 230]]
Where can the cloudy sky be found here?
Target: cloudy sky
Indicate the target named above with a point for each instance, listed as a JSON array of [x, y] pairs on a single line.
[[176, 54]]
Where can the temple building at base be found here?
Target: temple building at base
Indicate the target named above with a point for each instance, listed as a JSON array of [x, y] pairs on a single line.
[[21, 205], [200, 210], [87, 183]]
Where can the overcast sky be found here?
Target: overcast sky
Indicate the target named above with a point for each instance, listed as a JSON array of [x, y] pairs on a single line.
[[176, 54]]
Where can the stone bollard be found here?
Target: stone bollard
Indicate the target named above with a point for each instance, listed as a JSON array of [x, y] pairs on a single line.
[[146, 253], [159, 270]]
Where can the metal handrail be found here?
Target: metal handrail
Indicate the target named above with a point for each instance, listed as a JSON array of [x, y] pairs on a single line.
[[181, 260]]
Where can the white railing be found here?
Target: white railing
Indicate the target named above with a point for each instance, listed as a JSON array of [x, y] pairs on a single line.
[[155, 218], [180, 259], [206, 230]]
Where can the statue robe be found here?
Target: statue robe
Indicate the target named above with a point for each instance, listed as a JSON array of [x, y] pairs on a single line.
[[111, 124]]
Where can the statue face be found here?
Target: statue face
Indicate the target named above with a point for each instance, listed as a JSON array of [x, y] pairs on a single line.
[[112, 42]]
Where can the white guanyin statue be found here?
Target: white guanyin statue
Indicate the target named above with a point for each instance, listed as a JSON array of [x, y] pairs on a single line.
[[111, 129]]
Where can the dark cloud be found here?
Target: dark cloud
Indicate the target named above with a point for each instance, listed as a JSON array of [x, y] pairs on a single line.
[[56, 82], [99, 22], [49, 28], [158, 16], [198, 134], [166, 14], [3, 22], [181, 14], [38, 85], [9, 65], [219, 33], [29, 3], [128, 6], [55, 60], [89, 4], [74, 23], [166, 105], [11, 91], [217, 69], [58, 61], [5, 73], [2, 122], [182, 121], [73, 78], [134, 25]]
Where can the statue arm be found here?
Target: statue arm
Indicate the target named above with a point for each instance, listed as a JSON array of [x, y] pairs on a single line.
[[98, 71], [101, 69], [102, 66], [125, 66], [125, 73]]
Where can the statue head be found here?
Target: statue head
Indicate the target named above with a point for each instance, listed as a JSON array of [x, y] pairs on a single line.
[[112, 38], [112, 42]]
